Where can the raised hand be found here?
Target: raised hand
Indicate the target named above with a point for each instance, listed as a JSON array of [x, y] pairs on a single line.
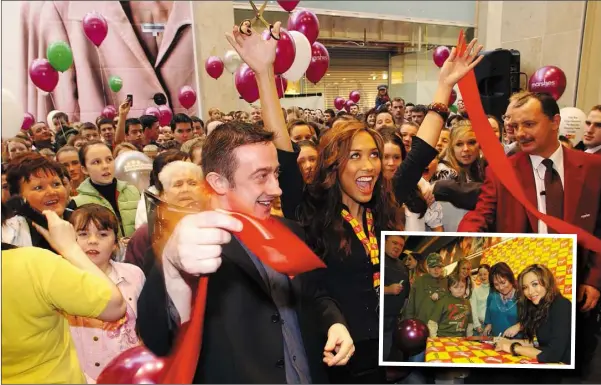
[[457, 66], [258, 53]]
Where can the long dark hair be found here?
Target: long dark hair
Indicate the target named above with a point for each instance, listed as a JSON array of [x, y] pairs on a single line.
[[320, 211], [531, 316]]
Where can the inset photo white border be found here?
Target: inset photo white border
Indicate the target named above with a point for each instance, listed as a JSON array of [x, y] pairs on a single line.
[[381, 360]]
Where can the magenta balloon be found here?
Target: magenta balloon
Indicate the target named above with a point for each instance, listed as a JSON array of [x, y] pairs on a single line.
[[339, 103], [355, 96], [305, 22], [153, 111], [187, 96], [95, 27], [548, 79], [281, 83], [453, 97], [109, 112], [246, 83], [134, 366], [28, 121], [440, 55], [43, 75], [214, 67], [285, 51], [288, 5], [165, 115], [348, 105], [320, 61]]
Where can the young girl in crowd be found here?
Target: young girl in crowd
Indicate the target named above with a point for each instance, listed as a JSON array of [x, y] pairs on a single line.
[[463, 269], [98, 342], [307, 159], [415, 263], [480, 297], [452, 315]]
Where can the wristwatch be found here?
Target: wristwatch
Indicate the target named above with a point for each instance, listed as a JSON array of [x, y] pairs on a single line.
[[512, 348], [441, 109]]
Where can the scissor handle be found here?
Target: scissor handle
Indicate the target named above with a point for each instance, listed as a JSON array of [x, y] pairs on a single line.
[[245, 30], [271, 33]]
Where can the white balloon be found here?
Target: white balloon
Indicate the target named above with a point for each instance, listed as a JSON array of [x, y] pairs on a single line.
[[302, 58], [231, 61], [573, 124], [12, 115]]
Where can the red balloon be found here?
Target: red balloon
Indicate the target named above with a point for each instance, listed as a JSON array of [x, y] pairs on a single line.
[[281, 83], [410, 336], [320, 61], [214, 67], [355, 96], [288, 5], [305, 22], [109, 112], [165, 115], [246, 83], [187, 96], [134, 366], [153, 111], [339, 103], [549, 79], [440, 55], [28, 121], [348, 105], [453, 97], [95, 27], [43, 75], [285, 51]]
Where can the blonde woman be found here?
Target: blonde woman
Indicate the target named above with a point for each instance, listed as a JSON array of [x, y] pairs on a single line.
[[461, 160]]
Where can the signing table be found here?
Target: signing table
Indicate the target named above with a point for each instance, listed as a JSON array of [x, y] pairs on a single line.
[[459, 351]]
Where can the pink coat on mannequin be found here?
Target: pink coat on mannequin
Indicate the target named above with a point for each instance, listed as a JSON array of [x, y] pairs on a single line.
[[79, 92]]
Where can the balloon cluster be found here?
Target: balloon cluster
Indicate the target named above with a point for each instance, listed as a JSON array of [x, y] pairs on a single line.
[[353, 99]]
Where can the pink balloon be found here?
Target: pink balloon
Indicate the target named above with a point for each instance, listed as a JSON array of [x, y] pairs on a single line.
[[440, 55], [320, 61], [305, 22], [246, 83], [28, 121], [43, 75], [134, 366], [453, 97], [348, 105], [355, 96], [548, 79], [153, 111], [95, 27], [214, 67], [288, 5], [187, 96], [339, 103], [165, 115], [109, 112], [281, 83], [285, 51]]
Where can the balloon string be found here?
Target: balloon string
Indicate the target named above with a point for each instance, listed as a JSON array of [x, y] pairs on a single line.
[[101, 75]]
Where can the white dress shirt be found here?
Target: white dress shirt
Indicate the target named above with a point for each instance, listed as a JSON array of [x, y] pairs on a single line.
[[593, 150], [539, 169]]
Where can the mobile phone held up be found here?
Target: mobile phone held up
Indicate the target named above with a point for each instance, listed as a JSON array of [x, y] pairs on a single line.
[[21, 207], [130, 99]]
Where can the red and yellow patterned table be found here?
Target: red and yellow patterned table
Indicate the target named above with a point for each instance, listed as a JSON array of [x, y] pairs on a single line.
[[459, 351]]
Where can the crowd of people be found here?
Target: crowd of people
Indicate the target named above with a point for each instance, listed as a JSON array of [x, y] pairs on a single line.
[[335, 179]]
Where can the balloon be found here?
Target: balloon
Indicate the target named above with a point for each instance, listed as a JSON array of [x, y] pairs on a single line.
[[453, 97], [453, 108], [320, 61], [187, 96], [43, 75], [165, 116], [285, 51], [440, 55], [232, 61], [281, 84], [214, 67], [12, 114], [288, 5], [355, 96], [573, 124], [549, 79], [305, 22], [95, 27], [339, 103], [109, 112], [410, 336], [60, 55], [28, 121], [134, 366], [348, 105], [134, 167], [153, 111], [246, 83], [301, 59], [115, 83]]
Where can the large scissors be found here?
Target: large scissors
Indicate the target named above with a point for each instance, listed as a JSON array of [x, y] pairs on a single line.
[[247, 24]]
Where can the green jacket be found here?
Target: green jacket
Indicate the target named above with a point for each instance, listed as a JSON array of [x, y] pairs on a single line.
[[127, 202], [420, 304], [453, 316]]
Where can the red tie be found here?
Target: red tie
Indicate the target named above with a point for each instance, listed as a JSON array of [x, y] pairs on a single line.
[[553, 192]]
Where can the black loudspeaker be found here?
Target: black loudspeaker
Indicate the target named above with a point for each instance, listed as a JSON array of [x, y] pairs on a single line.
[[498, 76]]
